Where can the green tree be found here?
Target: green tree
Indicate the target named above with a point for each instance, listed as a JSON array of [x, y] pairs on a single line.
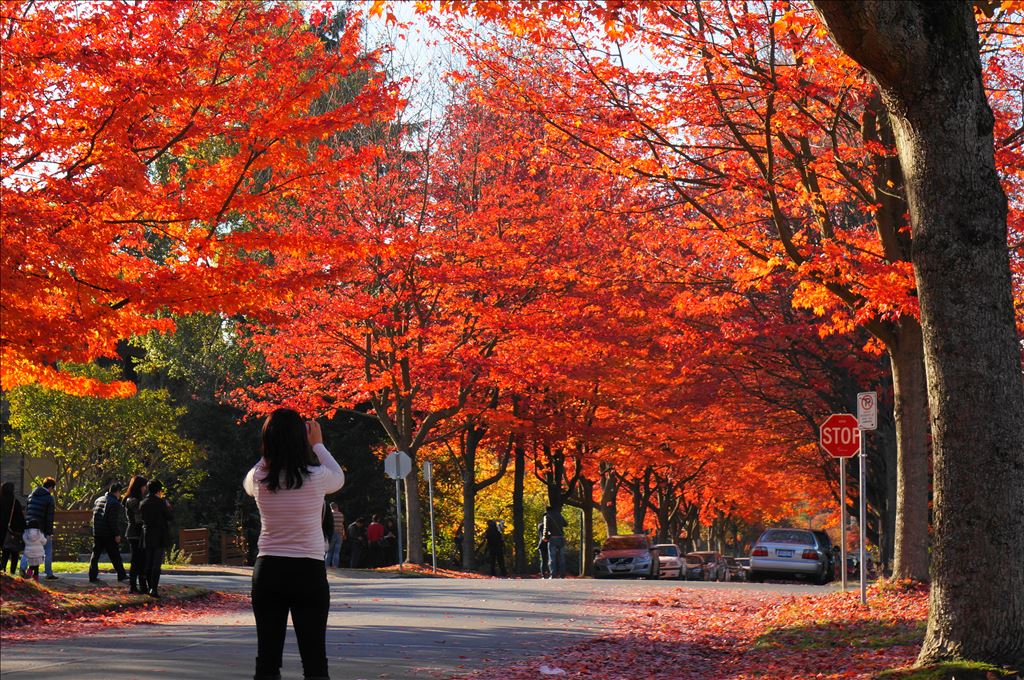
[[93, 440]]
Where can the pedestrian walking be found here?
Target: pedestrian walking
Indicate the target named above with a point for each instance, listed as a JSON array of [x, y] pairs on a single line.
[[337, 538], [35, 542], [156, 516], [12, 519], [41, 506], [357, 541], [542, 550], [106, 533], [132, 501], [459, 539], [374, 534], [553, 528], [495, 547], [289, 484]]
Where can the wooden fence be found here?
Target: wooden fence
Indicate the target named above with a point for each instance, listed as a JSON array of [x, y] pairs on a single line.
[[233, 549], [196, 544], [72, 533]]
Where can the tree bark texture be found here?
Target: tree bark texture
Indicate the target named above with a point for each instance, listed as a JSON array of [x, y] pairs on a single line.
[[925, 57], [518, 518], [910, 396]]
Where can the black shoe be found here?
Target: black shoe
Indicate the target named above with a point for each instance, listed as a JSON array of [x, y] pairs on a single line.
[[94, 580], [52, 577], [134, 590], [122, 579], [154, 594]]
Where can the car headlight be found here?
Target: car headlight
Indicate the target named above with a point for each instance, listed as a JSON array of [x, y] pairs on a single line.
[[644, 558]]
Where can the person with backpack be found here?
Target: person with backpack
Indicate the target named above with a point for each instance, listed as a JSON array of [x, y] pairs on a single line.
[[12, 525], [553, 526], [41, 506], [156, 533], [289, 483], [132, 501], [106, 533]]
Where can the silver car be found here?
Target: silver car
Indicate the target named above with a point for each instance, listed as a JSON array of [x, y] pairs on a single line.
[[783, 553], [630, 555]]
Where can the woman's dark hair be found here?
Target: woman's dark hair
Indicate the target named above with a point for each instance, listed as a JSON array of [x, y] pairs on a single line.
[[136, 488], [7, 490], [285, 449]]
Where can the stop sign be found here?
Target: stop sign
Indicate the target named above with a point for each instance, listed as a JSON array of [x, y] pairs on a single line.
[[840, 436]]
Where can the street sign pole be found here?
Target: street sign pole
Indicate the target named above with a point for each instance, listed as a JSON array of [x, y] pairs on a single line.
[[842, 518], [398, 514], [428, 472], [863, 522]]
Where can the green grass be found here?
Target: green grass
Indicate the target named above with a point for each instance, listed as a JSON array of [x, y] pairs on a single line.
[[953, 670], [827, 635], [80, 567]]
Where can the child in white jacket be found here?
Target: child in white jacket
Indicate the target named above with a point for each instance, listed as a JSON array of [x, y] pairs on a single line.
[[35, 542]]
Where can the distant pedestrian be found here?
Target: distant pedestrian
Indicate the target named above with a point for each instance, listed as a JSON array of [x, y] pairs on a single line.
[[553, 528], [389, 544], [374, 534], [542, 550], [41, 506], [156, 534], [337, 538], [357, 541], [290, 575], [495, 547], [459, 539], [35, 542], [106, 533], [132, 501], [12, 524]]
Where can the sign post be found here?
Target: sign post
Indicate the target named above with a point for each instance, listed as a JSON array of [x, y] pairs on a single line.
[[428, 474], [397, 465], [840, 438], [867, 419]]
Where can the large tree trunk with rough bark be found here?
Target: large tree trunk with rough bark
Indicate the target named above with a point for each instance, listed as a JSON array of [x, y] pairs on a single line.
[[910, 394], [925, 56], [518, 517]]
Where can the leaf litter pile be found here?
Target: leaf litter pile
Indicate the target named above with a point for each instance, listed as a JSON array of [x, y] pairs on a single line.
[[736, 634], [30, 611]]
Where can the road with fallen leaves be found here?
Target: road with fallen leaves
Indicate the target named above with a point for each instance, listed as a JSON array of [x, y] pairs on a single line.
[[379, 627]]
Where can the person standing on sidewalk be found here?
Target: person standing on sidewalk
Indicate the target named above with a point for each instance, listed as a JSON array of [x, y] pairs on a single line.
[[542, 550], [34, 552], [338, 538], [41, 506], [132, 500], [553, 526], [374, 534], [495, 547], [155, 512], [12, 521], [289, 484], [106, 533]]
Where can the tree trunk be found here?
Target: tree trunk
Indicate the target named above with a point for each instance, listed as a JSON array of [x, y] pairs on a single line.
[[468, 523], [910, 396], [925, 56], [518, 517], [413, 515], [587, 536]]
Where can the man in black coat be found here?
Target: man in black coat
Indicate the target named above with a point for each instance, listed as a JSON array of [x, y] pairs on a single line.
[[156, 533], [40, 507], [106, 533]]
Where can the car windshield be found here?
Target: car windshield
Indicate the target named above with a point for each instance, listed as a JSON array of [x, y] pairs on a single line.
[[787, 536], [625, 543], [695, 560], [668, 551]]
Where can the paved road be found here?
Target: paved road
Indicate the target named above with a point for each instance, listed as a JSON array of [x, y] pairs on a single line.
[[378, 628]]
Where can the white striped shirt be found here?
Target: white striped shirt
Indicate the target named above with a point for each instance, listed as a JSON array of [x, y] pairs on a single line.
[[292, 518]]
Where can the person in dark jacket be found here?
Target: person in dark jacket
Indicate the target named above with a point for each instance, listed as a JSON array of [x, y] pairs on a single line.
[[106, 533], [542, 550], [40, 507], [12, 526], [357, 539], [156, 533], [553, 525], [495, 547], [132, 500]]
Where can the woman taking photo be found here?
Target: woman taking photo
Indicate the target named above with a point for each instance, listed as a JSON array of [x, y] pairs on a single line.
[[289, 484], [132, 500]]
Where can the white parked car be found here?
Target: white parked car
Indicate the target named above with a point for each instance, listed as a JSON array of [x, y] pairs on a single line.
[[670, 559]]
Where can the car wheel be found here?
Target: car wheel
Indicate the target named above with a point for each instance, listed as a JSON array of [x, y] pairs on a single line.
[[756, 577]]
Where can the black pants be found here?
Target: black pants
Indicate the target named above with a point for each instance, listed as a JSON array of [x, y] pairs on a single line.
[[542, 550], [137, 575], [497, 557], [106, 544], [290, 584], [14, 556], [154, 560]]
